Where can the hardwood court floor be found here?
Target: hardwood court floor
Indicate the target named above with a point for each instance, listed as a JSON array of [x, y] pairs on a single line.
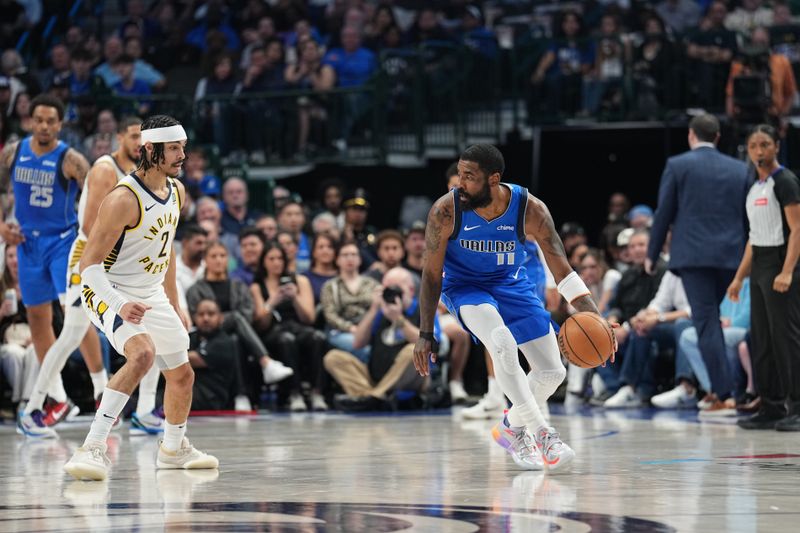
[[635, 471]]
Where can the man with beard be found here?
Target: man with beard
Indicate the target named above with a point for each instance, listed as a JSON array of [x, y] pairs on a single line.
[[129, 290], [45, 174], [475, 252], [103, 176]]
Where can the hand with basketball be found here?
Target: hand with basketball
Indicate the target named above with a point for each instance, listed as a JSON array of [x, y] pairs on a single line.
[[587, 340]]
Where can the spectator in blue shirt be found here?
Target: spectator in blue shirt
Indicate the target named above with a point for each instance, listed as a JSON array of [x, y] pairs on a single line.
[[129, 86], [354, 66], [197, 36]]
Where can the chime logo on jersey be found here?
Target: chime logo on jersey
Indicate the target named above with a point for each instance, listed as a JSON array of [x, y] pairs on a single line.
[[100, 309]]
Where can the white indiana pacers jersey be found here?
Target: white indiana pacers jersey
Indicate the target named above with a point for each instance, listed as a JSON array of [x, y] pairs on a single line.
[[140, 258], [85, 193]]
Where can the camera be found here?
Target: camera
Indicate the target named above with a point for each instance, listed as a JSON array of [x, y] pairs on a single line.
[[391, 293], [285, 280]]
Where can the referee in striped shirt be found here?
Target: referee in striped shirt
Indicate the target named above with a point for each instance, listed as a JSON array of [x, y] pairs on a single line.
[[770, 259]]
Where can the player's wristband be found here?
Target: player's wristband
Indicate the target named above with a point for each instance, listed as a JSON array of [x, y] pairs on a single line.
[[94, 278], [572, 287]]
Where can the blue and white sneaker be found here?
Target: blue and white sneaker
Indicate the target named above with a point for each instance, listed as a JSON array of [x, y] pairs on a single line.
[[33, 426], [147, 424]]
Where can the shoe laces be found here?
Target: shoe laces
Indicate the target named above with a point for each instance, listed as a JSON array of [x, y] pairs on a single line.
[[98, 454], [551, 440], [525, 443]]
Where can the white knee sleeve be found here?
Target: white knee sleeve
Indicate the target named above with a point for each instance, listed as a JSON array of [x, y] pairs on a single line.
[[171, 361], [545, 382], [506, 348]]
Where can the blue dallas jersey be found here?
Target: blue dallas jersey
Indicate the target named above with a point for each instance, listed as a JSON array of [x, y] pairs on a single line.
[[488, 251], [44, 199]]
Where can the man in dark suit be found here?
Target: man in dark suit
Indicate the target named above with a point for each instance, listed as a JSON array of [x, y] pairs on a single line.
[[702, 196]]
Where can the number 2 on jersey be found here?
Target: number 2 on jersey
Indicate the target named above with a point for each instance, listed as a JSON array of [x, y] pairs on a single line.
[[41, 196], [165, 240]]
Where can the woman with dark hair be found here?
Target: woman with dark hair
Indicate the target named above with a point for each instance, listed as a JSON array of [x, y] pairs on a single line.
[[323, 263], [289, 245], [653, 62], [770, 259], [236, 305], [558, 77], [284, 314], [21, 119]]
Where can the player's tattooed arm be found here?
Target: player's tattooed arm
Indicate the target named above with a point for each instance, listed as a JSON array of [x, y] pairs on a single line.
[[75, 166], [539, 223], [437, 233], [8, 233]]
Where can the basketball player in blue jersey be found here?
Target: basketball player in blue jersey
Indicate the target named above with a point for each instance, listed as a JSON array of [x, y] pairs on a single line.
[[46, 175], [130, 292], [474, 259]]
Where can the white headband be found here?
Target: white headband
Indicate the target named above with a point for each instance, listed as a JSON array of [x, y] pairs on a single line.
[[164, 135]]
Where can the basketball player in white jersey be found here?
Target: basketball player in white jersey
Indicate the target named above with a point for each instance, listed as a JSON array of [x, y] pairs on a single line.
[[103, 176], [129, 290]]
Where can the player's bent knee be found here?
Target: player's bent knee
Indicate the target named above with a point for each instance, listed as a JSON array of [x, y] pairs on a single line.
[[506, 348], [550, 379], [141, 359]]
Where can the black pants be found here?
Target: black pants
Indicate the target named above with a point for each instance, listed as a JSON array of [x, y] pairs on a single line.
[[250, 346], [705, 288], [775, 331], [300, 347]]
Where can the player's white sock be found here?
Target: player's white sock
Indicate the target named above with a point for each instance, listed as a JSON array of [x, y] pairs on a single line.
[[494, 389], [173, 435], [99, 381], [526, 414], [56, 390], [147, 391], [110, 407]]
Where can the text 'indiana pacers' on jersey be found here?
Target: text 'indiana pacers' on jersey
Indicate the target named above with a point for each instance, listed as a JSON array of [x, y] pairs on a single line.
[[44, 199], [102, 160], [481, 250], [140, 258]]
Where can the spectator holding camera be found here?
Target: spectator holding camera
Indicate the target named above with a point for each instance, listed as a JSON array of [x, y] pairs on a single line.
[[284, 315], [390, 328]]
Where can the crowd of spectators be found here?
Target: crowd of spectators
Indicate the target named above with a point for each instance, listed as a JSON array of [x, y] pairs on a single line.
[[613, 59]]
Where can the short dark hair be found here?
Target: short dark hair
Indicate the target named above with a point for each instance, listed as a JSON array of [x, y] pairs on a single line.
[[153, 122], [452, 170], [127, 122], [705, 127], [124, 59], [48, 100], [210, 300], [251, 231], [291, 201], [192, 230], [488, 158], [766, 129], [389, 234]]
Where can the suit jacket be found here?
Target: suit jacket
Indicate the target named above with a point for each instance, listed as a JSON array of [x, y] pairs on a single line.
[[702, 196]]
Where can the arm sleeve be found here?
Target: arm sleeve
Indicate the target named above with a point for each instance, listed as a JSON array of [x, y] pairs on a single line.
[[94, 276]]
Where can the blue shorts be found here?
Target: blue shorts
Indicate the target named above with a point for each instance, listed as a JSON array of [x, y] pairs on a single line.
[[43, 263], [516, 301]]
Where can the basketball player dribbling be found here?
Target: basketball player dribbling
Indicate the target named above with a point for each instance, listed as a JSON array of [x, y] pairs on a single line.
[[475, 250], [129, 290]]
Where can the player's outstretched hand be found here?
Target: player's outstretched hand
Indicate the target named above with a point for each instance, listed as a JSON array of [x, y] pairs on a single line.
[[422, 350], [134, 312]]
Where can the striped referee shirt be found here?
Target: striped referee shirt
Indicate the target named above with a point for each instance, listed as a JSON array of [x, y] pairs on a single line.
[[765, 203]]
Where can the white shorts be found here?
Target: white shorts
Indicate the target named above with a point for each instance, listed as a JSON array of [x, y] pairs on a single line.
[[161, 323]]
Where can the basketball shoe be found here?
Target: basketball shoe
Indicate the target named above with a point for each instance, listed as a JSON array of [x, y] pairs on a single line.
[[187, 457], [519, 444], [147, 424], [55, 412], [33, 425], [89, 462], [555, 454], [490, 406]]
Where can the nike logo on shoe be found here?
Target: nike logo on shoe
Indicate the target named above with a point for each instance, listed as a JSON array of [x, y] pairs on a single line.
[[470, 228]]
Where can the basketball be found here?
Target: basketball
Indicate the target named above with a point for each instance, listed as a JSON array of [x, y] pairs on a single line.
[[586, 340]]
